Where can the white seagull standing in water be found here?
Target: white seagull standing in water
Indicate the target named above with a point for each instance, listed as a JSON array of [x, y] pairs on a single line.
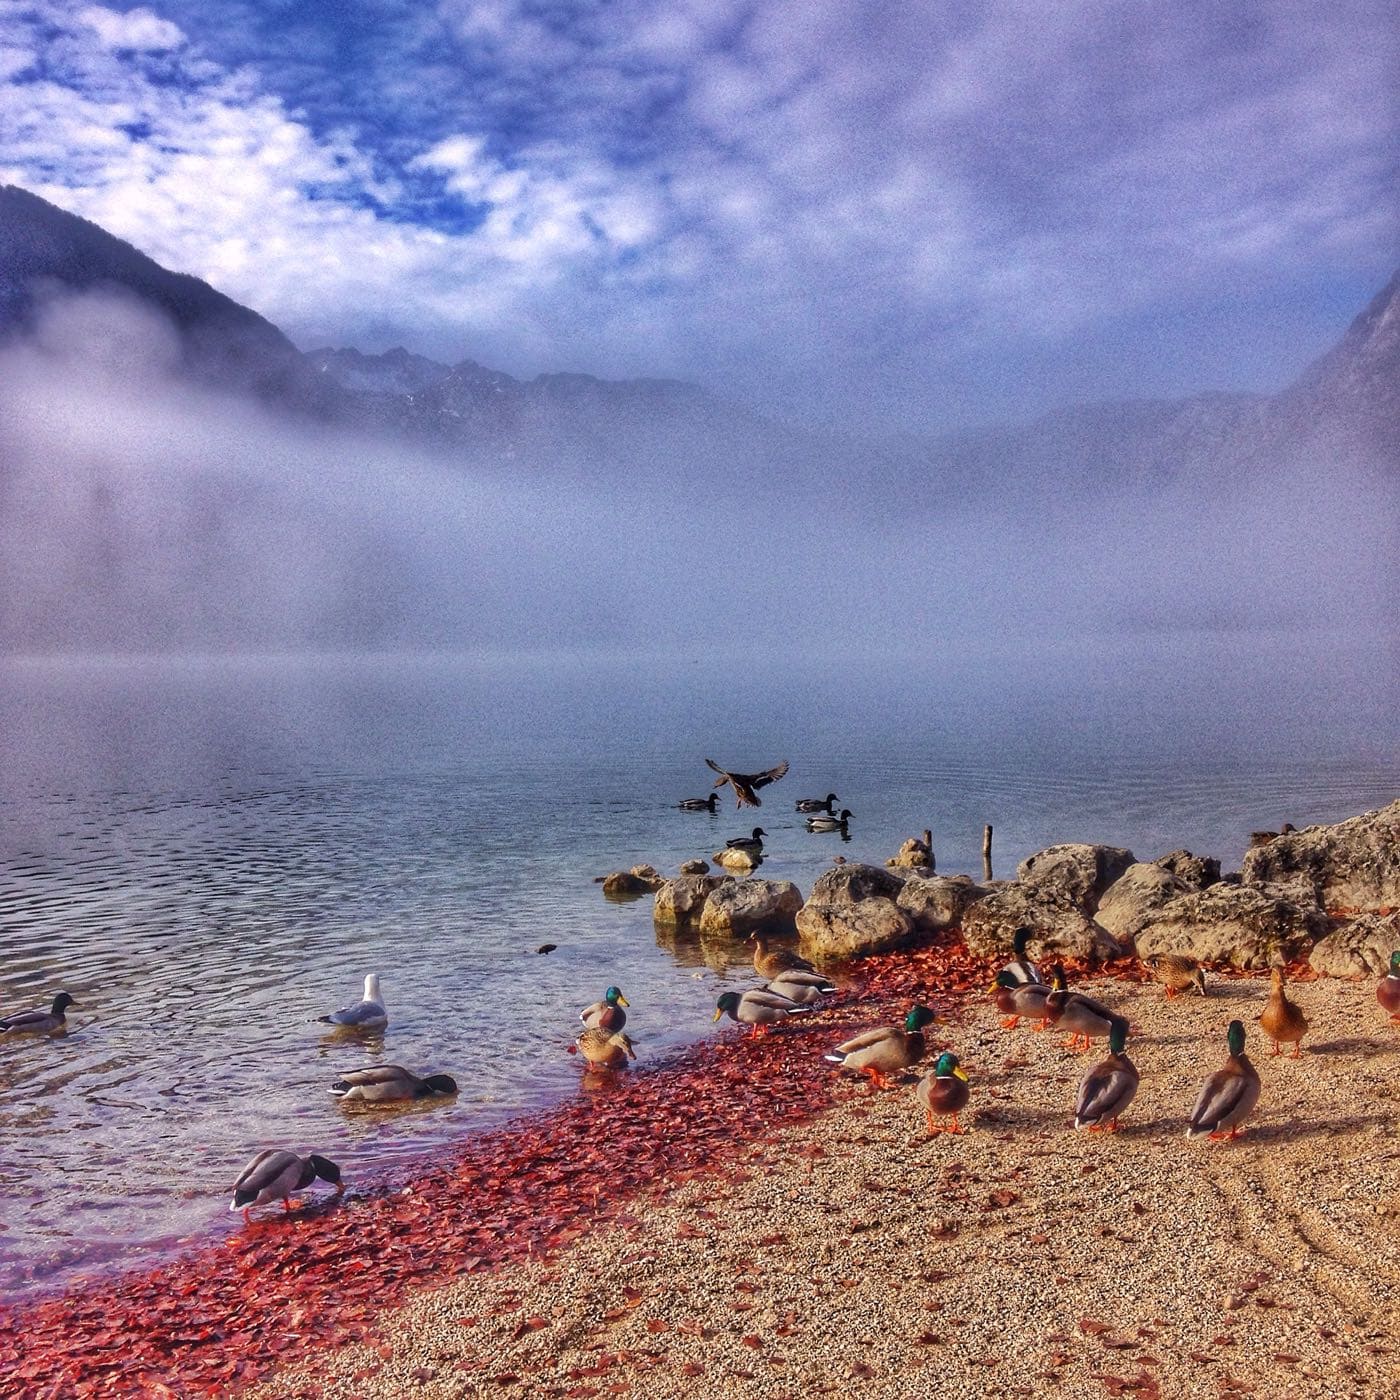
[[367, 1014]]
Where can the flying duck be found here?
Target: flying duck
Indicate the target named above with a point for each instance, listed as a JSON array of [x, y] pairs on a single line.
[[39, 1022], [390, 1084], [367, 1014], [745, 785], [274, 1174], [817, 804]]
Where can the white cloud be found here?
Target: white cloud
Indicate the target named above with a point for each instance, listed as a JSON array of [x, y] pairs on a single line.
[[137, 29]]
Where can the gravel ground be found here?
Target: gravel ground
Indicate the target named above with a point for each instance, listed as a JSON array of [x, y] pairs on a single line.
[[859, 1256]]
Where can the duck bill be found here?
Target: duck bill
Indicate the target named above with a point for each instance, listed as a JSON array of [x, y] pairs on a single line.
[[718, 1014], [622, 1000], [960, 1073]]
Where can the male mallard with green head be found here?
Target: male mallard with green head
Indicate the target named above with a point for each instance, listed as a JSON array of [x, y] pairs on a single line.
[[608, 1013], [1388, 989], [943, 1093], [760, 1008], [378, 1084], [1108, 1088], [1016, 999], [1228, 1096], [1083, 1017], [888, 1050], [39, 1022], [1281, 1018], [1021, 968]]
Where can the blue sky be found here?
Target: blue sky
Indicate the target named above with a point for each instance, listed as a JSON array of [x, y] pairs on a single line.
[[908, 216]]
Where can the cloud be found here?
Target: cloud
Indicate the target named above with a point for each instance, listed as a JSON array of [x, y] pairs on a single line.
[[937, 216]]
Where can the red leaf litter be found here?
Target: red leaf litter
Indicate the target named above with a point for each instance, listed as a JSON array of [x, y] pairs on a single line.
[[228, 1314]]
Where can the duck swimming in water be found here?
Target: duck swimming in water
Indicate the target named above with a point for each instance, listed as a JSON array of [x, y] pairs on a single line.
[[745, 785], [390, 1084], [700, 804], [604, 1049], [274, 1174], [817, 804], [747, 843], [829, 823], [367, 1014], [39, 1022]]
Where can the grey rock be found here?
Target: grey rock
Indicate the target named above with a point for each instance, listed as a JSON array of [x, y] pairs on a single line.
[[938, 902], [1235, 924], [1077, 870], [680, 902], [852, 912], [731, 858], [1060, 925], [742, 907], [1196, 872], [1352, 865], [1140, 891], [695, 867], [623, 884], [1358, 949]]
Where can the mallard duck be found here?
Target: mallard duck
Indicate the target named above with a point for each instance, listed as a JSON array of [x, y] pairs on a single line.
[[829, 823], [746, 785], [700, 804], [1016, 999], [771, 962], [605, 1049], [807, 988], [39, 1022], [1388, 988], [390, 1084], [607, 1013], [747, 843], [1228, 1096], [1177, 972], [888, 1050], [275, 1173], [1282, 1019], [759, 1008], [1108, 1088], [1021, 968], [366, 1014], [943, 1093], [817, 804], [1083, 1017]]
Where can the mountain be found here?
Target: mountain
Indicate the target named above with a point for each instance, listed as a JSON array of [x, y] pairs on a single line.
[[1347, 404]]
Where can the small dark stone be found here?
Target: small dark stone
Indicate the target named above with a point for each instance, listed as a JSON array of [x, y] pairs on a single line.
[[546, 947]]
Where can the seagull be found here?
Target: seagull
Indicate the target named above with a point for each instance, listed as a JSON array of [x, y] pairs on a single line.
[[367, 1014], [744, 784]]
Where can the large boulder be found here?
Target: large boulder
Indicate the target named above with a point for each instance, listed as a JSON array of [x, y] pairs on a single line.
[[1140, 890], [1196, 872], [741, 907], [852, 912], [1234, 924], [629, 884], [1352, 865], [732, 858], [915, 854], [679, 903], [1058, 924], [1360, 948], [1076, 871], [939, 902], [695, 867]]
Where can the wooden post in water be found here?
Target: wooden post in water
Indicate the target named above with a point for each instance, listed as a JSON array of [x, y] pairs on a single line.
[[928, 841], [986, 853]]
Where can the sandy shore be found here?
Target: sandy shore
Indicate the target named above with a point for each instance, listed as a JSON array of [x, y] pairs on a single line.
[[856, 1255]]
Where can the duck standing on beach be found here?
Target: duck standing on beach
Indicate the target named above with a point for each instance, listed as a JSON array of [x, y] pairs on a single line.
[[830, 823], [753, 843], [604, 1049], [760, 1008], [808, 988], [1177, 972], [879, 1053], [1108, 1088], [275, 1173], [817, 804], [1083, 1017], [745, 785], [39, 1022], [1229, 1095], [1021, 968], [1388, 989], [700, 804], [367, 1014], [1281, 1018], [1016, 999], [378, 1084], [771, 962], [943, 1093], [607, 1013]]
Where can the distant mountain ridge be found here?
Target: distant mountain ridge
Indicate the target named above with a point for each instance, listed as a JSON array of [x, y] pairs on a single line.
[[1347, 402]]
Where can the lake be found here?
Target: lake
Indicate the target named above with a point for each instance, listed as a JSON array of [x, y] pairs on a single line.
[[208, 853]]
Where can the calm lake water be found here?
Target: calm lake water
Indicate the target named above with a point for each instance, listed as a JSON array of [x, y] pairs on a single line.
[[209, 854]]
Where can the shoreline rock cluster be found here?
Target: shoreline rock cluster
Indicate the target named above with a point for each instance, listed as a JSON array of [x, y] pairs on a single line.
[[1327, 893]]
